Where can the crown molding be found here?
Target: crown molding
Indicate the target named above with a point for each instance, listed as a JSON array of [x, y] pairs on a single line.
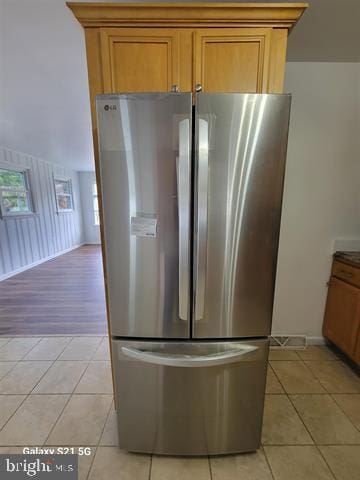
[[277, 15]]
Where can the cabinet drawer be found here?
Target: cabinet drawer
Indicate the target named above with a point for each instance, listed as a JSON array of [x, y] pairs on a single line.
[[346, 272]]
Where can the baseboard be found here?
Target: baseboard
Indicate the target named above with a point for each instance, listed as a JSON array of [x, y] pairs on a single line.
[[38, 262], [92, 243], [316, 340], [295, 341]]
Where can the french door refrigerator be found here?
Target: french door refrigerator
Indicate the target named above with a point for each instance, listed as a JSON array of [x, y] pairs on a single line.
[[192, 191]]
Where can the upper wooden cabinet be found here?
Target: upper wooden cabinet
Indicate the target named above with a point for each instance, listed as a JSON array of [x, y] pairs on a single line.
[[231, 47], [232, 59], [139, 59]]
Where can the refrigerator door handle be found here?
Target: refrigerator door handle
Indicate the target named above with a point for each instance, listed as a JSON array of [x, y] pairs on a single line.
[[183, 183], [201, 226], [175, 360]]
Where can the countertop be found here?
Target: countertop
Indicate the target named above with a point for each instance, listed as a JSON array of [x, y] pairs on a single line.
[[349, 257]]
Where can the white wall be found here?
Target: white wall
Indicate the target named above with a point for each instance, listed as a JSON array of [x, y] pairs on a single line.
[[27, 240], [91, 231], [322, 189]]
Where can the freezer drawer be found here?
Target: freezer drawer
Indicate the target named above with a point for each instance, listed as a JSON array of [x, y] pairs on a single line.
[[190, 398]]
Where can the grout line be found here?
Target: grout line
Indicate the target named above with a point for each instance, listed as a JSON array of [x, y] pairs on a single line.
[[26, 395], [24, 359], [342, 409], [268, 462], [326, 463], [91, 463], [103, 429], [301, 419], [27, 353], [15, 362], [95, 352], [23, 356], [100, 437], [8, 340], [7, 421], [150, 466], [62, 411], [278, 378], [210, 468]]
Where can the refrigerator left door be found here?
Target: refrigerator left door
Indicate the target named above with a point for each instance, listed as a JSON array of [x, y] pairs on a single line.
[[145, 170]]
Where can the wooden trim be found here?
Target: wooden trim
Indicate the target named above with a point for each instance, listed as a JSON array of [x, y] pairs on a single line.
[[281, 15], [278, 60], [96, 86]]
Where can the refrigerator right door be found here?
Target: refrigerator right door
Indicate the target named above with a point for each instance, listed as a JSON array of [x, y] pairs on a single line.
[[240, 152]]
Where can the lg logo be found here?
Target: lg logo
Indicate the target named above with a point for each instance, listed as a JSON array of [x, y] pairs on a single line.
[[109, 107]]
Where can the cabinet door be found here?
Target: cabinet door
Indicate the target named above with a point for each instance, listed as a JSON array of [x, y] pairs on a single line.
[[342, 315], [232, 59], [139, 59]]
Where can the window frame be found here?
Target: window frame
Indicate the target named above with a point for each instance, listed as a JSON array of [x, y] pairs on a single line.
[[96, 213], [26, 172], [61, 178]]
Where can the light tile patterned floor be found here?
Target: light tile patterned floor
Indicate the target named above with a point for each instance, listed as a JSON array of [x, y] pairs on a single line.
[[57, 391]]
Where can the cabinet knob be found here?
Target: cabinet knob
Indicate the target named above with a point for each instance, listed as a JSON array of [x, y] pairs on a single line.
[[175, 88], [198, 87]]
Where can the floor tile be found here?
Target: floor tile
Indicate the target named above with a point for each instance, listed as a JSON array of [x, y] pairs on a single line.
[[343, 460], [317, 352], [33, 420], [8, 405], [295, 377], [350, 404], [23, 377], [283, 354], [113, 463], [109, 437], [251, 466], [103, 351], [272, 383], [86, 456], [324, 419], [4, 341], [62, 377], [82, 421], [81, 348], [84, 464], [281, 424], [17, 348], [297, 463], [5, 368], [49, 348], [176, 468], [96, 379], [335, 377]]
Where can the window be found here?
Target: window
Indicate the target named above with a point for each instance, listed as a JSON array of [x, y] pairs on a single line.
[[64, 195], [15, 195], [96, 205]]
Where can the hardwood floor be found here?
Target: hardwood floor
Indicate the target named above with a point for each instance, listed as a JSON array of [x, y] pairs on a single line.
[[62, 296]]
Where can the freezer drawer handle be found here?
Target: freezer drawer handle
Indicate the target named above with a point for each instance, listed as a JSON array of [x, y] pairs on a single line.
[[176, 360], [183, 185]]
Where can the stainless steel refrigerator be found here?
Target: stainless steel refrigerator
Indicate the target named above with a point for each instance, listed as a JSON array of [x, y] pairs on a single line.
[[192, 190]]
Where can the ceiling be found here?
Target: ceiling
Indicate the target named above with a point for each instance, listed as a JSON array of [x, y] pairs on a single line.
[[44, 107]]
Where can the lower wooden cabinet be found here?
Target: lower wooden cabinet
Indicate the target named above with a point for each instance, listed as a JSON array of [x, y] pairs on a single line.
[[342, 314]]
